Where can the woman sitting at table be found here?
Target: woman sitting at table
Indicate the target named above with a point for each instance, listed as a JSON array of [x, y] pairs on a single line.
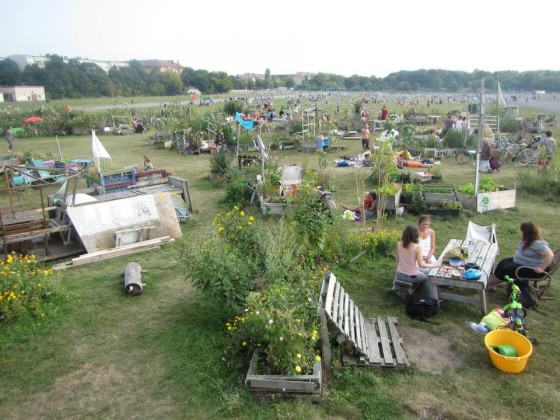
[[532, 251], [427, 239], [410, 262]]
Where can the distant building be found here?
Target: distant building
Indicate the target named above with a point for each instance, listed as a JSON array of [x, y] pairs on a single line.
[[161, 65], [22, 93], [251, 76], [23, 60], [298, 78], [106, 65]]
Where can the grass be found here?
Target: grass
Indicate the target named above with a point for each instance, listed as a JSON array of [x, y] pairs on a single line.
[[165, 353]]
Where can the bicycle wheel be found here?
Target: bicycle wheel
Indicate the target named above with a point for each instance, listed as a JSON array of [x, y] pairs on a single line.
[[462, 158], [522, 159]]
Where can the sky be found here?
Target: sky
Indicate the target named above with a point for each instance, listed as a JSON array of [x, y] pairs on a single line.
[[344, 37]]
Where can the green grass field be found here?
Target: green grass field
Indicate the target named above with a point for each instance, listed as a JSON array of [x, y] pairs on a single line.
[[164, 354]]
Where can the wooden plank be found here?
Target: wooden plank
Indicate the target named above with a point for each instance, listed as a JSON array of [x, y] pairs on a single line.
[[335, 301], [365, 344], [338, 319], [325, 344], [330, 291], [156, 241], [282, 385], [346, 315], [359, 342], [11, 238], [120, 253], [397, 341], [385, 343], [352, 324], [374, 356]]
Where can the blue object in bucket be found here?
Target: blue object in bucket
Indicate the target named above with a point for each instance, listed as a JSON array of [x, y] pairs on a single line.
[[472, 274]]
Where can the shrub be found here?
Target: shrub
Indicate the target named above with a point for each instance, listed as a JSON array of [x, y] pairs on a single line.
[[231, 107], [237, 187], [311, 217], [458, 139], [239, 230], [25, 286], [220, 163], [221, 271], [381, 242]]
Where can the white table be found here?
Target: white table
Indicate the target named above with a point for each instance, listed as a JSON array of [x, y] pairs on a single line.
[[480, 253]]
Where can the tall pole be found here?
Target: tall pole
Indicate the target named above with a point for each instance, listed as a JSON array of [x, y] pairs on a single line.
[[480, 138]]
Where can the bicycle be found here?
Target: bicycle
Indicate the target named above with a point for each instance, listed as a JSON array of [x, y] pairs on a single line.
[[464, 156]]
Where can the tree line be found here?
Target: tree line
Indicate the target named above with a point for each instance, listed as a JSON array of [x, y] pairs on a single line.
[[73, 79]]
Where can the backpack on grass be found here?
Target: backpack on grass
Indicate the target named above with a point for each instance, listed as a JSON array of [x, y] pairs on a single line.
[[421, 308]]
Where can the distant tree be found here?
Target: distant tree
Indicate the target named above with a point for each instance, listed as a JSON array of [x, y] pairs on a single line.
[[10, 73]]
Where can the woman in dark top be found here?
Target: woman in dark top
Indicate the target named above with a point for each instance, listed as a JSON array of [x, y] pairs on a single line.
[[532, 251]]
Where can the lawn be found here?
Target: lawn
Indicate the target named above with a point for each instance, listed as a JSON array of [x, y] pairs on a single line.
[[165, 353]]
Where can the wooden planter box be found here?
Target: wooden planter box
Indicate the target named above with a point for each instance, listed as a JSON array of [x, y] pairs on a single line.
[[488, 201], [438, 211], [393, 202], [303, 386], [277, 209], [439, 197]]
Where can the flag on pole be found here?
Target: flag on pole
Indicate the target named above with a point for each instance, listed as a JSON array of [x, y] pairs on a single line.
[[99, 151], [501, 99]]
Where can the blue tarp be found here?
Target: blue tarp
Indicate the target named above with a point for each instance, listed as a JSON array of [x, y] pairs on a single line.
[[246, 124]]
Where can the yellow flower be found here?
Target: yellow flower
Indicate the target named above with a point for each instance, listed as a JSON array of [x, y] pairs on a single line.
[[298, 356], [251, 219], [244, 344], [298, 369], [242, 213], [318, 358], [39, 285], [221, 229]]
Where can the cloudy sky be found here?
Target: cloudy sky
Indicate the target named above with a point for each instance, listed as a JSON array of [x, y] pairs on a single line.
[[345, 37]]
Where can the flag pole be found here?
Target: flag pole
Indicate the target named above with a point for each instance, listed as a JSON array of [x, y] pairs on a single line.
[[480, 138], [59, 151]]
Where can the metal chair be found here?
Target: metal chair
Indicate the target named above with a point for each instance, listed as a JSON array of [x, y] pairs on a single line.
[[539, 285]]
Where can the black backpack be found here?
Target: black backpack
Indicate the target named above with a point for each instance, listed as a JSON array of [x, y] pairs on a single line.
[[421, 308]]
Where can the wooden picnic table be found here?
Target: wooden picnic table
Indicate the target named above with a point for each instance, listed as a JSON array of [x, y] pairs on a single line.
[[480, 253]]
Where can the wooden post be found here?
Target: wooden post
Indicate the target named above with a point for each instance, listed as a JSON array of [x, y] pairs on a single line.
[[133, 279]]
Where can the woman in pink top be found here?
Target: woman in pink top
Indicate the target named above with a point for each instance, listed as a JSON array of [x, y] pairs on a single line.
[[410, 261]]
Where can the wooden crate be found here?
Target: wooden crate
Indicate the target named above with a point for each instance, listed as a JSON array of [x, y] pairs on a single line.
[[301, 386]]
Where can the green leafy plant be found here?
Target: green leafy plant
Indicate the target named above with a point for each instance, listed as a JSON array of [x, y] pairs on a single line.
[[451, 204], [220, 163]]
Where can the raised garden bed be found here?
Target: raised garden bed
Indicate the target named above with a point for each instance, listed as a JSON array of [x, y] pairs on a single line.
[[443, 212], [488, 201], [301, 386], [274, 208], [438, 195], [392, 203]]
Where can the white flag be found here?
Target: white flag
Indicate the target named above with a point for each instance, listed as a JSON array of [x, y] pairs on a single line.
[[99, 152], [501, 99]]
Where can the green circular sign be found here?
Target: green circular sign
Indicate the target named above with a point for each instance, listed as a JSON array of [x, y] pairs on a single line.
[[485, 200]]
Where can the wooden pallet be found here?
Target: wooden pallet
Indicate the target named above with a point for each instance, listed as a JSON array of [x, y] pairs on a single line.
[[374, 342]]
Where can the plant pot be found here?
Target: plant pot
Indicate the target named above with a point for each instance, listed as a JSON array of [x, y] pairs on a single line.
[[303, 386]]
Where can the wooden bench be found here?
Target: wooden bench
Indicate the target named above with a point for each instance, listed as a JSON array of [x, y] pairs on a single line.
[[374, 342]]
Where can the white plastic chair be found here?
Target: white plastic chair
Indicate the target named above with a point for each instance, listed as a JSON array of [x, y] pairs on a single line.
[[482, 233]]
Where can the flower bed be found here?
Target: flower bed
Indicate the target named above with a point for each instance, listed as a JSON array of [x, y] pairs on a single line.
[[25, 286]]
